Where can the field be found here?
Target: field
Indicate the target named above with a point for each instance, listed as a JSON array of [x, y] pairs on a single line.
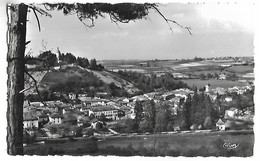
[[241, 69], [181, 144], [214, 83]]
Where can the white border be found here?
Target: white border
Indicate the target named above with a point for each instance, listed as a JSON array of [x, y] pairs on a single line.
[[3, 80]]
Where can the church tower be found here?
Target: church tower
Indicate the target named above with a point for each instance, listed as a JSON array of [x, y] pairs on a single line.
[[58, 55]]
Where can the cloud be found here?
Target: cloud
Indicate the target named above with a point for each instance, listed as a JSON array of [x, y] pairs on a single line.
[[177, 15], [168, 32], [108, 34]]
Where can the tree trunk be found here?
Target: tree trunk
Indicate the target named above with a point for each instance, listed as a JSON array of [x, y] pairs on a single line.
[[15, 83]]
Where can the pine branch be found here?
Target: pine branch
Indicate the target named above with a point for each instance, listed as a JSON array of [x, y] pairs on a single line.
[[36, 87], [169, 20]]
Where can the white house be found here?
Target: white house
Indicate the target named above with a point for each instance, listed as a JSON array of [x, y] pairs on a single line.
[[30, 121], [231, 113], [228, 99], [55, 118], [222, 76], [207, 87], [110, 112], [220, 125]]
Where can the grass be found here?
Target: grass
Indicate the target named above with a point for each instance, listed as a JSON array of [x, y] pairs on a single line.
[[186, 144], [214, 83], [190, 144], [240, 69]]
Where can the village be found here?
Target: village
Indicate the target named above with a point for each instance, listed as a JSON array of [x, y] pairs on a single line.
[[95, 116]]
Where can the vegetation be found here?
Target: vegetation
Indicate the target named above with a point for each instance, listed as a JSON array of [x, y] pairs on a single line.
[[151, 83], [214, 83], [198, 144]]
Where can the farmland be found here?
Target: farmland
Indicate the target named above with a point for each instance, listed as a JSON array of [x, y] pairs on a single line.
[[180, 144], [214, 83], [240, 69]]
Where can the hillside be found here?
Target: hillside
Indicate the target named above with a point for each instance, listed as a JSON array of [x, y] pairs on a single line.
[[37, 75], [77, 78]]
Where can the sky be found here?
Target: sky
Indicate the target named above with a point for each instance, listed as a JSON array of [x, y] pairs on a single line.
[[217, 30]]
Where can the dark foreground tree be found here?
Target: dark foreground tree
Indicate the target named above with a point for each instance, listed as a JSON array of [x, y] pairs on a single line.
[[17, 14], [15, 83]]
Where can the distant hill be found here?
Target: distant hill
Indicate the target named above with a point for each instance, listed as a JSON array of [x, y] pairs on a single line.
[[73, 78]]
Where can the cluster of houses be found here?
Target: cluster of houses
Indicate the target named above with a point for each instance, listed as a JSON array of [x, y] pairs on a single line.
[[90, 111]]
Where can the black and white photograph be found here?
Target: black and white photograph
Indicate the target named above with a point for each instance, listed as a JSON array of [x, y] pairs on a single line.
[[123, 79]]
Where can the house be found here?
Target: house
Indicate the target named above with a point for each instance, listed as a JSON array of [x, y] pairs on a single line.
[[96, 124], [82, 120], [84, 109], [111, 103], [175, 101], [228, 99], [30, 121], [180, 75], [143, 64], [229, 125], [67, 110], [128, 111], [168, 95], [220, 125], [110, 112], [220, 90], [222, 76], [207, 87], [28, 108], [55, 118], [122, 103], [101, 94], [97, 101], [53, 108], [140, 98], [69, 119], [87, 103], [231, 113], [42, 119], [72, 96], [150, 95]]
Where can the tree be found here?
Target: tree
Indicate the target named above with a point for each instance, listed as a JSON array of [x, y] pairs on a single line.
[[232, 76], [145, 126], [138, 114], [187, 111], [161, 121], [93, 64], [202, 76], [15, 83], [216, 75], [69, 58], [49, 58], [122, 12], [207, 123], [103, 117], [91, 116], [170, 126], [209, 76]]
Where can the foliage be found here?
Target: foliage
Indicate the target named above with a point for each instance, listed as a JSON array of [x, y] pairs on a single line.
[[197, 109], [149, 84], [145, 126], [67, 58], [83, 62], [49, 58], [170, 126], [232, 77], [202, 76], [120, 12]]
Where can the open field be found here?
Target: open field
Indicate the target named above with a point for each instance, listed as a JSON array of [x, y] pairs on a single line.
[[181, 144], [240, 69], [214, 83]]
